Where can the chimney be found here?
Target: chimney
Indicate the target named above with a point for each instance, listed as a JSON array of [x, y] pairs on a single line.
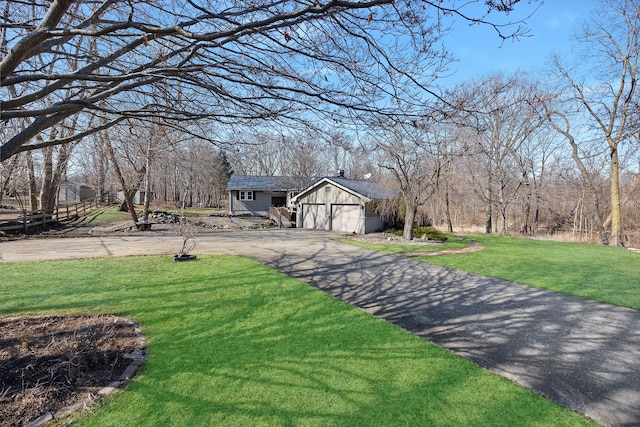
[[341, 173]]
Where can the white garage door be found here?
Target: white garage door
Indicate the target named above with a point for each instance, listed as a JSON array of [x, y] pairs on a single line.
[[345, 218], [314, 216]]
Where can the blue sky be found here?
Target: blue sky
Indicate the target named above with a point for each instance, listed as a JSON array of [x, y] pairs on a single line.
[[479, 50]]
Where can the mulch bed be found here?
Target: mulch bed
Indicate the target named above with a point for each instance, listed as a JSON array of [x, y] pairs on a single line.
[[56, 365]]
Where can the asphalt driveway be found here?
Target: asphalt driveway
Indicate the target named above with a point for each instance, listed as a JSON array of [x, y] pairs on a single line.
[[581, 354]]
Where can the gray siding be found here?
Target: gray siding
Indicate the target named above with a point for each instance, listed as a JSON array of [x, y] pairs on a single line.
[[259, 206], [373, 224]]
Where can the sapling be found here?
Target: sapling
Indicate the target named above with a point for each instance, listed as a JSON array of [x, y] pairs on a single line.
[[185, 228]]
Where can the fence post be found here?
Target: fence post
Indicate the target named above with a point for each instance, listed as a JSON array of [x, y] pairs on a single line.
[[44, 217], [24, 220]]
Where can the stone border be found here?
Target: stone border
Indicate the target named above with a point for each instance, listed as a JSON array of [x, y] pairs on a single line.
[[137, 359]]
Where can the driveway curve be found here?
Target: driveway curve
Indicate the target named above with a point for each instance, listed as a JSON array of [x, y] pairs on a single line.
[[581, 354]]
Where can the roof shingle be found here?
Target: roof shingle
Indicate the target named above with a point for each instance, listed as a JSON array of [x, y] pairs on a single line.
[[268, 183]]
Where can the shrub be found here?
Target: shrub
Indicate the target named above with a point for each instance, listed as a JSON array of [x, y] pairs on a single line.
[[430, 232], [420, 231]]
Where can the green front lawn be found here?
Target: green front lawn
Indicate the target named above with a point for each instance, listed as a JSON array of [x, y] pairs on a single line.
[[234, 343], [105, 216], [602, 273]]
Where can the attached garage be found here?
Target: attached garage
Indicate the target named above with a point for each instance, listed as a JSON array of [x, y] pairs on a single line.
[[315, 216], [345, 218], [341, 204]]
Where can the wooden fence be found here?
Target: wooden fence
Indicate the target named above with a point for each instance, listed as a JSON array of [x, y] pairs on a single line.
[[38, 218]]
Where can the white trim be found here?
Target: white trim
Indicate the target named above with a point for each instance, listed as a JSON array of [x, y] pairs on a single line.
[[246, 195]]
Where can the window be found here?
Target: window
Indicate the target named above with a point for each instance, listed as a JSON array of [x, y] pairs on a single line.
[[246, 195]]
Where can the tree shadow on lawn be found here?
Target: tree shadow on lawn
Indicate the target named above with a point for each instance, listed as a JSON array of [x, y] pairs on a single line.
[[264, 349], [579, 353], [272, 360]]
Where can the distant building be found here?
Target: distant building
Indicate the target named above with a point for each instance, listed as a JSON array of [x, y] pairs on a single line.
[[329, 203], [73, 192], [255, 195], [138, 198]]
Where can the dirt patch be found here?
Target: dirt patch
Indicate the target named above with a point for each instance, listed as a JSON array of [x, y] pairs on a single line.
[[52, 366], [201, 224]]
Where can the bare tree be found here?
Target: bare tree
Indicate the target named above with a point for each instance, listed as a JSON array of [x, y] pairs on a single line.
[[55, 160], [410, 152], [501, 114], [126, 191], [258, 153], [222, 62], [606, 91], [204, 171], [538, 151], [301, 154], [561, 123]]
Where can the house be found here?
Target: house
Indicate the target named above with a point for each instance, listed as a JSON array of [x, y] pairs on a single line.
[[74, 192], [341, 204], [256, 195]]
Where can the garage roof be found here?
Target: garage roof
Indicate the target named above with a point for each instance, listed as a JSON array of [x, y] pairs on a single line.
[[367, 189]]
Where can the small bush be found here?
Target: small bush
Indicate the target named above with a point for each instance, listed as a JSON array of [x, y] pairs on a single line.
[[420, 231], [430, 232]]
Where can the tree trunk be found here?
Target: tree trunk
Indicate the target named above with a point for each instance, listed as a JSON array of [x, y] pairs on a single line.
[[47, 177], [503, 211], [597, 216], [7, 177], [411, 206], [447, 212], [488, 225], [102, 174], [52, 178], [147, 184], [33, 191], [536, 215], [488, 199], [616, 220], [525, 228], [126, 194], [59, 173], [624, 198]]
